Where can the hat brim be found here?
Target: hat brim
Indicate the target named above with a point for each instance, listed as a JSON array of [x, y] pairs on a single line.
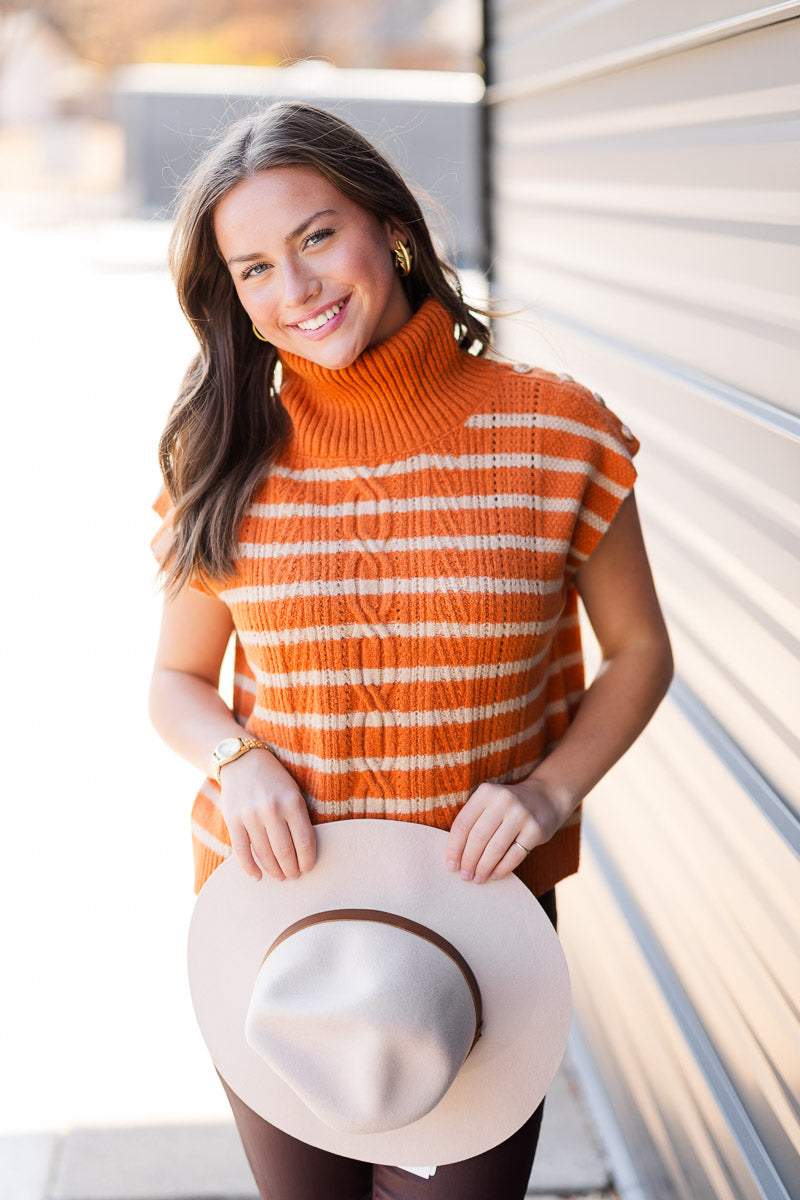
[[396, 866]]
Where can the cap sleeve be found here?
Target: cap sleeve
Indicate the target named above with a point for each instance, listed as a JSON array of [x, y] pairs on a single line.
[[608, 448]]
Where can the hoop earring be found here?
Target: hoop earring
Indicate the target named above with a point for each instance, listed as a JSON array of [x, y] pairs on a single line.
[[260, 336], [403, 258]]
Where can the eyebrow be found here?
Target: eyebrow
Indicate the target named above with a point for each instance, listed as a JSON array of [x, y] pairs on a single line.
[[290, 237]]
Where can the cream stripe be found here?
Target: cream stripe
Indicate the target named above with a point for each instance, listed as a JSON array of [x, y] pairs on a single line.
[[421, 762], [208, 839], [411, 762], [334, 722], [211, 792], [469, 542], [531, 420], [417, 631], [376, 676], [244, 681], [387, 587], [395, 806], [587, 517], [445, 462], [420, 504], [440, 800]]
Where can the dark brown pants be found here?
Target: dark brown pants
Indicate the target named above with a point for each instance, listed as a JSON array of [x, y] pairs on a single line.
[[288, 1169]]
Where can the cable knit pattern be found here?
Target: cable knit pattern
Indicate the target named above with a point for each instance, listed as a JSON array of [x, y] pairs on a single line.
[[407, 626]]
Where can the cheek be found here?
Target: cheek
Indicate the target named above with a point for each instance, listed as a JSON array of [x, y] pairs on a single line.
[[252, 302], [374, 261], [240, 295]]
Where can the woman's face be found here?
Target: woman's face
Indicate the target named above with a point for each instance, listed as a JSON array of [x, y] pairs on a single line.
[[313, 270]]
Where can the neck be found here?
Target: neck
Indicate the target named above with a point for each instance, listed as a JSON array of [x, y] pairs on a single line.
[[395, 397]]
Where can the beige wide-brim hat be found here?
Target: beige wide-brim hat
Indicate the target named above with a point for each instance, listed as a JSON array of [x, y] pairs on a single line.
[[498, 928]]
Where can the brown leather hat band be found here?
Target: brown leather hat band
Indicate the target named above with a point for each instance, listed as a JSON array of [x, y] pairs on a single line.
[[386, 918]]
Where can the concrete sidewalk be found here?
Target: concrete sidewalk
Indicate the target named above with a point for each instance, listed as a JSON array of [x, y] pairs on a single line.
[[204, 1161]]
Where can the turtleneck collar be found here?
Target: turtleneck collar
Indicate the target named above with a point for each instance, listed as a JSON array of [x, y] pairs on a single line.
[[396, 397]]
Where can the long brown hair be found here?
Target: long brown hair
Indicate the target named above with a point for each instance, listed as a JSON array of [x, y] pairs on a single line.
[[228, 425]]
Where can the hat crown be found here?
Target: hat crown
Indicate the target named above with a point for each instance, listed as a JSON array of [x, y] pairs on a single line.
[[367, 1020], [397, 867]]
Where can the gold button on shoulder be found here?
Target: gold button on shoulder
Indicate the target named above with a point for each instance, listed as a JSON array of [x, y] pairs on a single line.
[[523, 368], [626, 433], [599, 399], [566, 378]]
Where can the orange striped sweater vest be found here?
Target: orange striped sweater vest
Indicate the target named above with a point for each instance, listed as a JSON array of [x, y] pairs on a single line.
[[406, 620]]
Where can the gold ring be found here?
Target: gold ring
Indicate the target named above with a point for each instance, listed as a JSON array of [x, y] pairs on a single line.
[[525, 848]]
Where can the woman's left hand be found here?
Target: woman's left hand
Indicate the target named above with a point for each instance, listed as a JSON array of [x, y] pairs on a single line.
[[498, 827]]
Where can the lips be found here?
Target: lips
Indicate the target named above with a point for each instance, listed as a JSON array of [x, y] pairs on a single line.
[[323, 318]]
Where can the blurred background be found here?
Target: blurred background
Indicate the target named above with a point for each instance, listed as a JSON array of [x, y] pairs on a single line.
[[626, 175]]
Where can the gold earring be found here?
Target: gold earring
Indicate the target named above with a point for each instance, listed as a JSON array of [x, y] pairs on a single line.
[[402, 258], [260, 336]]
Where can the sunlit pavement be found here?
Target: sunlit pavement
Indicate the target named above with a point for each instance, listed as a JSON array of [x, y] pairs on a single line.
[[96, 886], [97, 1031]]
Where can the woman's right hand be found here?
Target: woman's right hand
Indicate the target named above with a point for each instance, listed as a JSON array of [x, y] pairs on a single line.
[[263, 807], [267, 817]]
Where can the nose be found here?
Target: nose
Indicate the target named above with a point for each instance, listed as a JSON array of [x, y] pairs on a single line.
[[299, 284]]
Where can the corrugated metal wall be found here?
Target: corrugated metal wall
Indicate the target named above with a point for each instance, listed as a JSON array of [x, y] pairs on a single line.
[[645, 174]]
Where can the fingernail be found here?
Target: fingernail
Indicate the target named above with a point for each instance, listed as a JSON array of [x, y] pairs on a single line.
[[466, 875], [452, 865], [479, 879]]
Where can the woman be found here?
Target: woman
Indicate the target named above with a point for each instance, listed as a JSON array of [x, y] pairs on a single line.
[[397, 530]]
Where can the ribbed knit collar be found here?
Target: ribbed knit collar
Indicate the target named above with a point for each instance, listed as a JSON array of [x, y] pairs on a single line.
[[394, 398]]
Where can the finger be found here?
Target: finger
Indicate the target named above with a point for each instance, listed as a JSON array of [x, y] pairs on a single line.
[[276, 841], [460, 831], [507, 842], [240, 844], [261, 847], [305, 840], [523, 842], [514, 857], [496, 848], [481, 835]]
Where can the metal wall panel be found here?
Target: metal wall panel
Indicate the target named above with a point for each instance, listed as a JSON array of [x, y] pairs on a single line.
[[645, 175]]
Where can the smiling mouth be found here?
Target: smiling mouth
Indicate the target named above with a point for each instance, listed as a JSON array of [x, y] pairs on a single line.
[[322, 318]]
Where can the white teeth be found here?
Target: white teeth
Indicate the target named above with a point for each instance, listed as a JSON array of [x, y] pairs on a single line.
[[322, 319]]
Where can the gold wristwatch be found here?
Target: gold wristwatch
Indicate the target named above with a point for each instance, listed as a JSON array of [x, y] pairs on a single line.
[[229, 749]]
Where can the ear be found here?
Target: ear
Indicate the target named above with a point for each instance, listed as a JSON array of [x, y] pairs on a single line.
[[396, 232]]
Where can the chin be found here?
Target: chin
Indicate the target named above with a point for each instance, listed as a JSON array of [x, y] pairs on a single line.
[[340, 363], [335, 360]]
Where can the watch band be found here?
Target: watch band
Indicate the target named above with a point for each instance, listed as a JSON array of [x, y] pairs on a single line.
[[229, 749]]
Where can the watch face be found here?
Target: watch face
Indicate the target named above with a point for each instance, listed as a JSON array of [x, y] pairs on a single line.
[[226, 747]]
